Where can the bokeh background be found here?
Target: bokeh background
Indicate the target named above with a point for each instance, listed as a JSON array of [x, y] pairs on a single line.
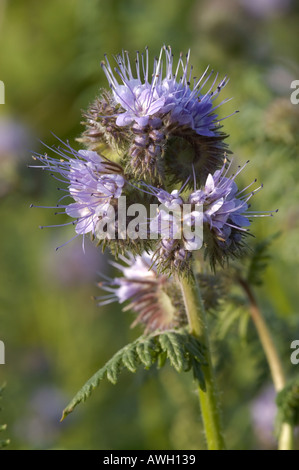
[[55, 336]]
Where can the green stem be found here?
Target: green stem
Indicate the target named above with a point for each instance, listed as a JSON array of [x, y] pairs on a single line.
[[285, 440], [208, 398]]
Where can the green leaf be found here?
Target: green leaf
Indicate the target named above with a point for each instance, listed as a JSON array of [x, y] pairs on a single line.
[[112, 371], [172, 347], [130, 360], [181, 349], [288, 403], [195, 349], [198, 374], [146, 352], [162, 359]]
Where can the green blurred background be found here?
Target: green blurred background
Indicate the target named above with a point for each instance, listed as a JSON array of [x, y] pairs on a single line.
[[54, 334]]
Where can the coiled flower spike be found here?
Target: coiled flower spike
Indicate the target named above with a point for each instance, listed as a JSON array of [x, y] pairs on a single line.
[[166, 116], [223, 212]]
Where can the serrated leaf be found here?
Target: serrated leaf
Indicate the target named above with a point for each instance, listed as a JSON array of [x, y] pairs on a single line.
[[171, 345], [85, 391], [198, 374], [113, 367], [112, 373], [145, 352], [183, 351], [162, 357], [183, 340], [111, 370], [195, 349], [130, 360]]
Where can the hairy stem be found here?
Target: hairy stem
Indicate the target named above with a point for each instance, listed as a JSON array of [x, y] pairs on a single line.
[[208, 398], [285, 440]]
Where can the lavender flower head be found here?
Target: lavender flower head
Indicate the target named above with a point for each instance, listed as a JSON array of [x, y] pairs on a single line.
[[162, 117], [224, 206], [147, 97], [219, 206], [93, 182], [171, 219], [153, 297]]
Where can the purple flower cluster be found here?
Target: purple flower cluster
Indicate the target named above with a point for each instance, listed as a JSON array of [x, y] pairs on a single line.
[[224, 206], [147, 98], [161, 126], [93, 182], [219, 206]]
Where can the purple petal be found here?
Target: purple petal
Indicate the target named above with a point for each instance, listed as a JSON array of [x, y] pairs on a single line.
[[124, 119]]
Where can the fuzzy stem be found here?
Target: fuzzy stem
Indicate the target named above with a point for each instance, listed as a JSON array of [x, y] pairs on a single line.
[[208, 398], [285, 440]]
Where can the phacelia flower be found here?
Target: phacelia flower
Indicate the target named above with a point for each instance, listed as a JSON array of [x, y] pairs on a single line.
[[147, 96], [219, 208], [159, 111], [155, 298], [223, 207], [94, 183], [176, 228]]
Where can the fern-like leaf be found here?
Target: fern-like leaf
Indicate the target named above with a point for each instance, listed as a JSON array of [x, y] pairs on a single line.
[[173, 349], [183, 351], [145, 350]]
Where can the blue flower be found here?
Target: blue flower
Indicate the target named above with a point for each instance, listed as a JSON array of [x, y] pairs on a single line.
[[93, 182], [218, 207], [223, 209], [147, 98]]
